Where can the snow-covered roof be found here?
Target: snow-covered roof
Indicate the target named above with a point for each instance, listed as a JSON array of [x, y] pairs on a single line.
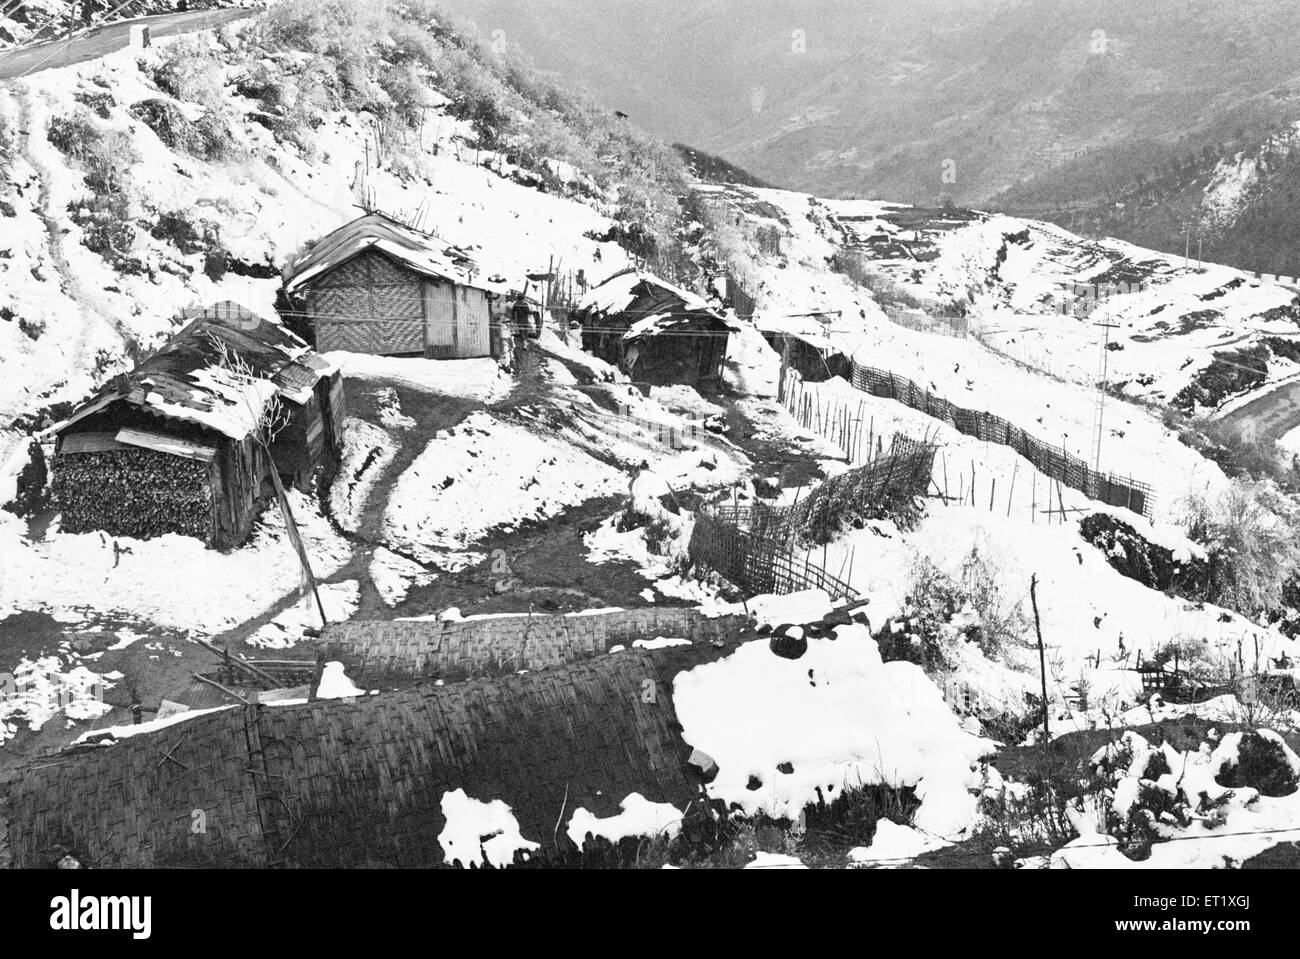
[[421, 252], [622, 289], [650, 303], [186, 378], [809, 329]]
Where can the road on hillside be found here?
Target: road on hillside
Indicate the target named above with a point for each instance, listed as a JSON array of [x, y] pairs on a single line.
[[1271, 415], [109, 38]]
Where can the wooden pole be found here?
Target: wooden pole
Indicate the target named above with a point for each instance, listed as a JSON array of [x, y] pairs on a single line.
[[1042, 656]]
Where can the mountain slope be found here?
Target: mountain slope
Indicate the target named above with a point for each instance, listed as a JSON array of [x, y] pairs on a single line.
[[1047, 108]]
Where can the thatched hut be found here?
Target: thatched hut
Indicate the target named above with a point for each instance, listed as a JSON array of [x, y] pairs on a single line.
[[654, 331], [170, 447], [375, 285]]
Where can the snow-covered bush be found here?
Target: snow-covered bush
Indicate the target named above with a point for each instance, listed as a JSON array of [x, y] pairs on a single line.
[[107, 155], [1251, 533], [943, 607], [189, 71]]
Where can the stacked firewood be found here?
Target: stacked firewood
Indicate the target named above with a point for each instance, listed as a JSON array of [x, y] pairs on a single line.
[[133, 492]]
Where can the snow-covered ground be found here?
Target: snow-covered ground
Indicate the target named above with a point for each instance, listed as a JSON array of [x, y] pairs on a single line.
[[98, 576], [266, 207], [1014, 280]]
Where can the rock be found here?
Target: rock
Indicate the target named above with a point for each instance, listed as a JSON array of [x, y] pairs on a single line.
[[788, 642], [703, 763]]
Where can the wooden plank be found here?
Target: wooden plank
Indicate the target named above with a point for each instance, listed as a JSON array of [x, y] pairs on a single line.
[[167, 444], [90, 443]]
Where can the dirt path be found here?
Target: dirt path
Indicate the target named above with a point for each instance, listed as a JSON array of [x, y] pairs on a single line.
[[93, 306]]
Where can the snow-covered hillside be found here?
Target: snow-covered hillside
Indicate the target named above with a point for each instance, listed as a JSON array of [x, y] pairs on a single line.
[[72, 317], [1037, 293], [137, 187]]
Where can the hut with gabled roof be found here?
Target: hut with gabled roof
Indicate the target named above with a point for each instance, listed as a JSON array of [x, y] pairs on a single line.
[[654, 331], [376, 285], [170, 447]]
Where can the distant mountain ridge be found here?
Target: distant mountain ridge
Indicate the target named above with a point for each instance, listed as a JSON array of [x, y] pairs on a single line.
[[1029, 106]]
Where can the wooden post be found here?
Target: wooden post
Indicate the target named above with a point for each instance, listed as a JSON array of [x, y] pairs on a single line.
[[1042, 656]]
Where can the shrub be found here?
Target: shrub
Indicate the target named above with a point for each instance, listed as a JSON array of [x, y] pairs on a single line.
[[1252, 535], [73, 134], [208, 138], [191, 73], [98, 102], [107, 156], [943, 608], [168, 122], [31, 493], [216, 261]]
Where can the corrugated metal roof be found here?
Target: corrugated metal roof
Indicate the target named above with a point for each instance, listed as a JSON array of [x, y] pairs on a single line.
[[186, 379], [650, 304], [421, 252]]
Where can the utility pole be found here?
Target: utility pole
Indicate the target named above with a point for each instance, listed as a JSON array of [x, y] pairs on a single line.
[[1103, 371]]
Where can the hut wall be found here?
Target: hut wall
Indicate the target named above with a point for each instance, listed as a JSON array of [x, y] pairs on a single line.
[[459, 321], [809, 361], [694, 360], [368, 304], [299, 446], [236, 476]]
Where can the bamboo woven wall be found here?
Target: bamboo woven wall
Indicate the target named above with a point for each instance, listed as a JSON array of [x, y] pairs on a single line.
[[344, 783], [368, 304], [380, 653]]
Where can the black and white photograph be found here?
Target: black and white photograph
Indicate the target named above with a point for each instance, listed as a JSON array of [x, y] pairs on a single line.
[[487, 437]]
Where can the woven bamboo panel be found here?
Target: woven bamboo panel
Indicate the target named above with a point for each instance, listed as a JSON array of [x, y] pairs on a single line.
[[139, 802], [368, 305], [363, 780], [386, 653], [344, 783]]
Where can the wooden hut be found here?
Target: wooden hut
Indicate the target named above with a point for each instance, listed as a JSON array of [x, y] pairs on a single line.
[[654, 331], [804, 345], [170, 447], [375, 285]]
